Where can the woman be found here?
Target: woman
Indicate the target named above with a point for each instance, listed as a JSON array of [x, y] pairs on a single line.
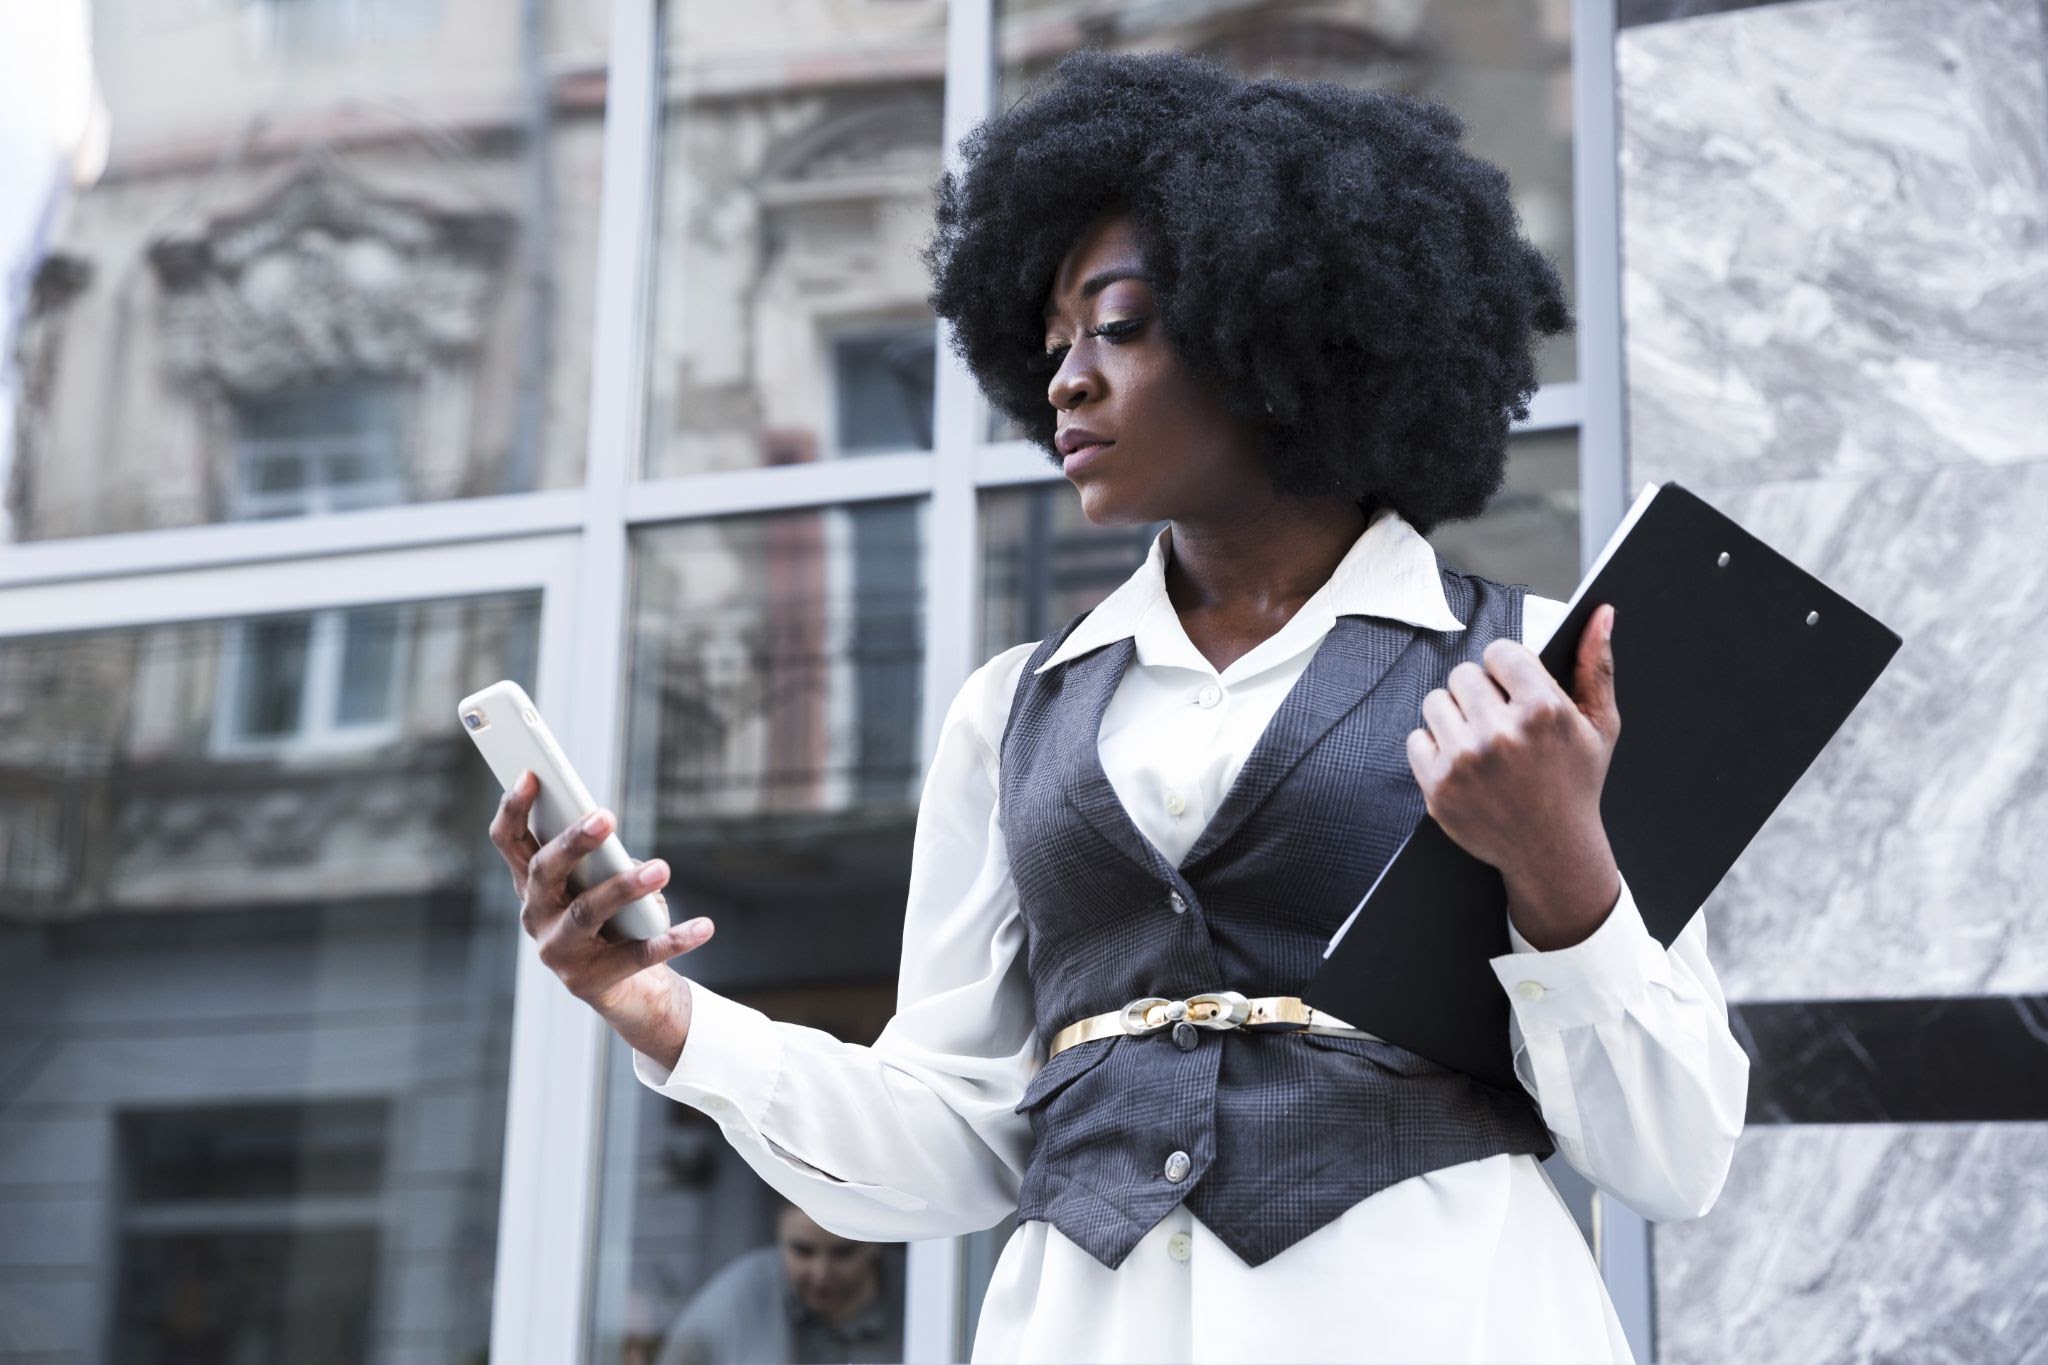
[[1293, 321]]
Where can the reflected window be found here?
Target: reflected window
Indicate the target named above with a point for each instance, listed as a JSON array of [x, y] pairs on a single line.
[[268, 1005], [322, 678], [1044, 563], [340, 257], [218, 1260], [882, 388], [774, 760], [798, 152], [329, 448], [316, 26]]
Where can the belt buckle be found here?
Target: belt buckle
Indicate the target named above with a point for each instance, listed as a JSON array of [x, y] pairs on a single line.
[[1232, 1009], [1225, 1010], [1134, 1021]]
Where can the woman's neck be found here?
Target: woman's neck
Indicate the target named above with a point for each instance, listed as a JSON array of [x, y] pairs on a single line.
[[1234, 583]]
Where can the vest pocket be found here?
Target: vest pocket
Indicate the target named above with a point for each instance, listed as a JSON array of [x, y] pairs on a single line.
[[1063, 1070], [1387, 1056]]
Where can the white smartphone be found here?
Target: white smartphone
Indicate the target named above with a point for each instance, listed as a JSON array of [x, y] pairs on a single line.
[[508, 731]]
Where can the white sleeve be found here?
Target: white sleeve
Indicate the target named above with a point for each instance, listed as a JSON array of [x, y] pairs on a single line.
[[1625, 1047], [915, 1136]]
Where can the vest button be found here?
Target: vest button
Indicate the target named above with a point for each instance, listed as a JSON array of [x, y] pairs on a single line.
[[1180, 907], [1178, 1166], [1186, 1037]]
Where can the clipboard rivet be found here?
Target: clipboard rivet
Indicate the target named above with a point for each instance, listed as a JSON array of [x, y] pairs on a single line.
[[1813, 618], [1723, 560]]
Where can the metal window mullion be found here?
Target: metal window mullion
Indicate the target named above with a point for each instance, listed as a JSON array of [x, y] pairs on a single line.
[[952, 576], [429, 573], [194, 548], [1624, 1235], [781, 488], [542, 1294]]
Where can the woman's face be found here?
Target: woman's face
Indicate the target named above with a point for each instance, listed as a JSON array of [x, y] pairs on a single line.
[[1171, 452]]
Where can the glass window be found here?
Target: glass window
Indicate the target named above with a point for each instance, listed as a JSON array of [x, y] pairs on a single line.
[[318, 448], [799, 146], [341, 256], [217, 1258], [774, 760], [1043, 563], [1505, 67], [1530, 531], [258, 1005], [320, 678]]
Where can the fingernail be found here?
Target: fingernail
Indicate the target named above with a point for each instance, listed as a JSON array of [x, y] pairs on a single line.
[[696, 928], [597, 822], [650, 873]]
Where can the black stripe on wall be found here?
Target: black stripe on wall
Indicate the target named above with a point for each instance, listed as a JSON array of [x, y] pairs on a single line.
[[1629, 13], [1941, 1059]]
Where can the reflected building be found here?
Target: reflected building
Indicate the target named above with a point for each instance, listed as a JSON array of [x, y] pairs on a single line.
[[256, 991]]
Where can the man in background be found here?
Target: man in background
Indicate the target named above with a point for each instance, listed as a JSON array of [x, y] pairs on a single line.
[[812, 1296]]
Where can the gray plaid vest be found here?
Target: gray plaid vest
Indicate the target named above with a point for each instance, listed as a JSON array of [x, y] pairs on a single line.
[[1281, 1132]]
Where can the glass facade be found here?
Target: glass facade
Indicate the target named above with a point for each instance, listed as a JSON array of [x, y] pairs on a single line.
[[253, 999], [340, 257], [581, 342]]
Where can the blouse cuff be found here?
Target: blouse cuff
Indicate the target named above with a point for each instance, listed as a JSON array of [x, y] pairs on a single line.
[[1594, 980], [729, 1064]]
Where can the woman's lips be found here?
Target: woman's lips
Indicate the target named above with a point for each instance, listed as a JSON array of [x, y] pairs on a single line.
[[1083, 457]]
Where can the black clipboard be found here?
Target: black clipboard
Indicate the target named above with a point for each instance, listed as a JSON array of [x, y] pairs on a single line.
[[1733, 668]]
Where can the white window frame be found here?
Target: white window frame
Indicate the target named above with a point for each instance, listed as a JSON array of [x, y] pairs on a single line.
[[572, 546]]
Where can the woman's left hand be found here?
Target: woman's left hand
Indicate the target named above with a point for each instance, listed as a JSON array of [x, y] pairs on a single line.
[[1512, 766]]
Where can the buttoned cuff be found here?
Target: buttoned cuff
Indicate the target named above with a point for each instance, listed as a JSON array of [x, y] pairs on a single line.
[[729, 1064], [1594, 980]]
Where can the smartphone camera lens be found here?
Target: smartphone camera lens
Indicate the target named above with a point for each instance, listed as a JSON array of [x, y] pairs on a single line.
[[473, 719]]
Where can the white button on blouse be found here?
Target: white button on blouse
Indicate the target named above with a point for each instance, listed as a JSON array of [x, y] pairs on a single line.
[[1627, 1054]]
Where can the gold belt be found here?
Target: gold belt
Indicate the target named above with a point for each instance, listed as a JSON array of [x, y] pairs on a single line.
[[1210, 1010]]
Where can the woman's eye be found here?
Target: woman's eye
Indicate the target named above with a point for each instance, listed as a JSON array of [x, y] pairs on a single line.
[[1116, 333]]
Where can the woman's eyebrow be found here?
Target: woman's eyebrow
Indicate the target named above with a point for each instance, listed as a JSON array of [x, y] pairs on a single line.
[[1102, 279]]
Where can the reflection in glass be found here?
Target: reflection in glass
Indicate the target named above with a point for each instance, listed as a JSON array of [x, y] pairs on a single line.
[[340, 257], [1043, 563], [774, 760], [1530, 531], [257, 1001], [1503, 66], [798, 151]]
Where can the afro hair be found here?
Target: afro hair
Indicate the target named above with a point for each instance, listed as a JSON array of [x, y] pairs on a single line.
[[1331, 259]]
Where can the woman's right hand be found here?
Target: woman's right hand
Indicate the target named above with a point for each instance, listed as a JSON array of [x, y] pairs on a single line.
[[626, 981]]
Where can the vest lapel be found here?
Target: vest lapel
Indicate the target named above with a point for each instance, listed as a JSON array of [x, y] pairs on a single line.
[[1347, 665], [1091, 681]]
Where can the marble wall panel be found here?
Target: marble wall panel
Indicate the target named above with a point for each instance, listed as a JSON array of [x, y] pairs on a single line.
[[1865, 1243], [1912, 859], [1835, 239]]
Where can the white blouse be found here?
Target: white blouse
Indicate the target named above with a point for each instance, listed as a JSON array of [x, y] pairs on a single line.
[[1624, 1045]]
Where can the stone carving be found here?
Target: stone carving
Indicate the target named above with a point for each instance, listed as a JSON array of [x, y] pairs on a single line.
[[327, 279]]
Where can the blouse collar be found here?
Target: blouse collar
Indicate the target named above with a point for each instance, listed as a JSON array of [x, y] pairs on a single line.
[[1390, 571]]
